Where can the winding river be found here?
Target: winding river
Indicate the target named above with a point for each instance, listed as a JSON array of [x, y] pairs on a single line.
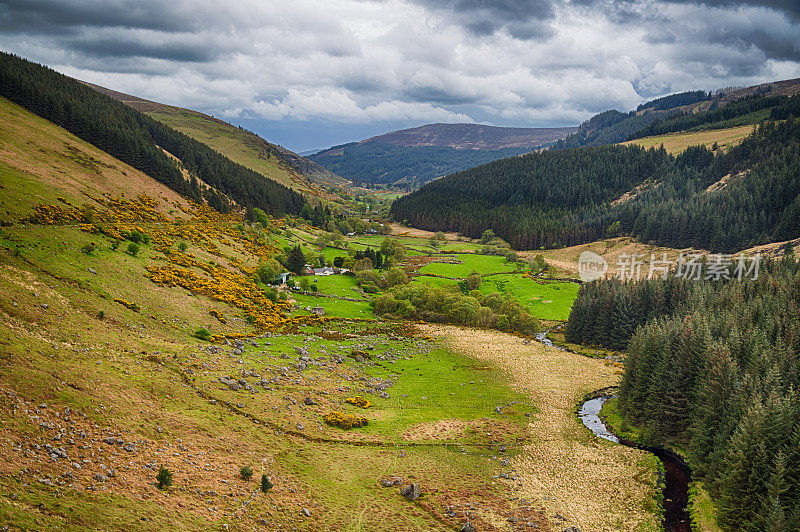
[[677, 473]]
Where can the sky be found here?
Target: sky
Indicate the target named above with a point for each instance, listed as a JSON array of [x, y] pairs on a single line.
[[312, 74]]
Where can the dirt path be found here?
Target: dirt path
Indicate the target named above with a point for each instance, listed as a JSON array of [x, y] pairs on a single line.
[[594, 485]]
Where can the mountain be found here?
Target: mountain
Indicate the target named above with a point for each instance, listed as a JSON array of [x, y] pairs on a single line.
[[610, 127], [411, 157], [473, 136], [244, 147], [145, 144], [722, 200]]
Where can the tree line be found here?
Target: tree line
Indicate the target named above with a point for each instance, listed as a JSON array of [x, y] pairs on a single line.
[[138, 140], [714, 368], [707, 199], [740, 112]]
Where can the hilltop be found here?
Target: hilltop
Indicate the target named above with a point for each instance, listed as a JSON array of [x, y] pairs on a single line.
[[717, 107], [244, 147], [473, 136], [411, 157]]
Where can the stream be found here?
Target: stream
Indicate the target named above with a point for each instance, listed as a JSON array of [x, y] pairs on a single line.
[[677, 473]]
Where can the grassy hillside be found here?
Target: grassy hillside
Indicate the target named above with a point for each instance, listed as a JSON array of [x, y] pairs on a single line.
[[41, 162], [676, 143], [241, 146]]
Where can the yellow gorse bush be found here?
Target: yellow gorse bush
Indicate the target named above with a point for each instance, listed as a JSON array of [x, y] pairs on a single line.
[[345, 421], [359, 401]]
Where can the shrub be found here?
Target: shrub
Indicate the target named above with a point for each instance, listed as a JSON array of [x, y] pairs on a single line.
[[133, 249], [203, 334], [359, 401], [268, 270], [115, 245], [137, 237], [345, 421], [266, 483], [246, 472], [88, 248], [101, 314], [182, 246], [164, 478]]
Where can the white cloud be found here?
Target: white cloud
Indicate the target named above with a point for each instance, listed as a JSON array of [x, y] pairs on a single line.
[[372, 61]]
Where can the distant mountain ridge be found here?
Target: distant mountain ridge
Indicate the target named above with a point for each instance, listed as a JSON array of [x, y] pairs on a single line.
[[411, 157], [474, 136]]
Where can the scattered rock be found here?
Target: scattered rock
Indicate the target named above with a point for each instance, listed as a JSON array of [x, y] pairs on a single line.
[[572, 529], [99, 477], [309, 401], [411, 492], [468, 527], [305, 512], [131, 448]]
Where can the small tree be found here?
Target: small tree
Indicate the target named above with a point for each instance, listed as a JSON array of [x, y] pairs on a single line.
[[164, 478], [474, 281], [296, 261], [487, 236], [246, 472], [305, 284], [133, 249], [266, 483]]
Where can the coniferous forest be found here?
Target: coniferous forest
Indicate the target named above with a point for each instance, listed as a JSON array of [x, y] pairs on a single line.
[[723, 202], [713, 368], [138, 140]]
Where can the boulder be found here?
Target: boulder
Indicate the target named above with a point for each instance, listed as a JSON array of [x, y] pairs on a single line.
[[468, 527], [411, 492]]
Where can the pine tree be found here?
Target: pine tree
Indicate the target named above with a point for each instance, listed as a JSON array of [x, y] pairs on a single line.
[[296, 261]]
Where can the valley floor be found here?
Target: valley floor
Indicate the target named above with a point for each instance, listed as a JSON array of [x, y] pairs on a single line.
[[582, 480]]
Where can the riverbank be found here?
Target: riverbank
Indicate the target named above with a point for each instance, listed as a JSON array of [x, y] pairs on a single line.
[[581, 480], [702, 512]]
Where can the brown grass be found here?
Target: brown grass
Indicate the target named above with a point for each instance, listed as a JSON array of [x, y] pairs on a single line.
[[592, 484], [63, 163], [676, 143]]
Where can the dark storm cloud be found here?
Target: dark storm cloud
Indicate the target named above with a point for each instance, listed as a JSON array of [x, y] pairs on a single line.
[[115, 48], [523, 19], [48, 16], [507, 62], [790, 7]]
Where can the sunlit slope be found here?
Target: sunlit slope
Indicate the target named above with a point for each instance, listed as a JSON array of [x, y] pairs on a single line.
[[676, 143], [40, 162], [239, 145]]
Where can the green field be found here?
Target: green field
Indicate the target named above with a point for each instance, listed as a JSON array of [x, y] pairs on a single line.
[[433, 281], [467, 264], [444, 385], [547, 300], [335, 307], [337, 285]]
